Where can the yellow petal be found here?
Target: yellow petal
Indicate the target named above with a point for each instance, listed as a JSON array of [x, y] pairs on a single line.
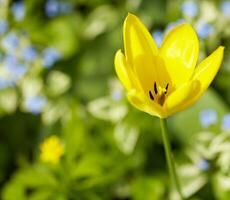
[[137, 40], [207, 69], [136, 100], [122, 70], [180, 50], [142, 54], [125, 72], [176, 100], [149, 71], [140, 102], [203, 76]]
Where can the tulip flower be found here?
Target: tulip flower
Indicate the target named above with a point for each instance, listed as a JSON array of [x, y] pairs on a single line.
[[163, 81]]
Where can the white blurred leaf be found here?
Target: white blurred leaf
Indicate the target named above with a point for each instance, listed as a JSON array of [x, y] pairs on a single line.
[[105, 109], [126, 137], [8, 100], [58, 83]]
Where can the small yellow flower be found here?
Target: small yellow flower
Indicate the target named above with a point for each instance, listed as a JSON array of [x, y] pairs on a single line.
[[51, 150], [165, 80]]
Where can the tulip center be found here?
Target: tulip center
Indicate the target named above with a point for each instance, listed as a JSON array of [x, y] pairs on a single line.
[[159, 93]]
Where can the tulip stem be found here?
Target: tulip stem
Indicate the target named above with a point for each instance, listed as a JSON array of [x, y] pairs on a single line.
[[169, 157]]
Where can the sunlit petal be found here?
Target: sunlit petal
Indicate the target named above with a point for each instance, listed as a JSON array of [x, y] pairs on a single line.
[[142, 53], [140, 50], [175, 101], [125, 73], [180, 50], [137, 40], [207, 69], [140, 102], [205, 73], [123, 70]]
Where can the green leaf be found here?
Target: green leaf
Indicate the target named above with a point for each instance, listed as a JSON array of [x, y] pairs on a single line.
[[186, 123], [147, 188]]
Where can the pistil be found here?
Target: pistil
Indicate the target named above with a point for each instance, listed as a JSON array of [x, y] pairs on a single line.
[[160, 93]]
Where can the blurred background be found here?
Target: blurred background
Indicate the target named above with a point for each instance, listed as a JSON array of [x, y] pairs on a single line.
[[66, 129]]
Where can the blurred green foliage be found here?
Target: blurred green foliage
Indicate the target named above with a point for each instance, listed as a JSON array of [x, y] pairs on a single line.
[[57, 77]]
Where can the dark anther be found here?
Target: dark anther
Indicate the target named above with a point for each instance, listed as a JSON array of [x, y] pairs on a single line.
[[166, 88], [151, 95], [155, 87]]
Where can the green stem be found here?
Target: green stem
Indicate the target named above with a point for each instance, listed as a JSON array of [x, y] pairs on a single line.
[[169, 158]]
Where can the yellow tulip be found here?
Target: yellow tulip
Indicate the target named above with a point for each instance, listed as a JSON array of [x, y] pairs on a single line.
[[165, 80]]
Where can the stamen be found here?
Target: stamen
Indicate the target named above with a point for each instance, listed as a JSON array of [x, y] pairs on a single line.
[[151, 95], [155, 87], [166, 88], [159, 93]]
